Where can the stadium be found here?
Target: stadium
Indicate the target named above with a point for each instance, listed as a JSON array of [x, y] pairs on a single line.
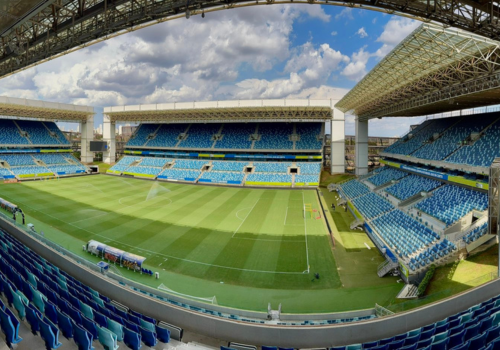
[[235, 224]]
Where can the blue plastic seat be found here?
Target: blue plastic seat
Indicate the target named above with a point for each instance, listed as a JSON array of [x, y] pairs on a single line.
[[382, 347], [440, 344], [163, 334], [51, 311], [132, 326], [132, 339], [478, 341], [456, 339], [386, 341], [471, 332], [18, 304], [107, 339], [116, 328], [148, 337], [492, 333], [100, 319], [49, 333], [86, 311], [409, 347], [75, 315], [83, 339], [64, 323], [90, 326], [396, 344], [464, 346], [32, 315], [10, 327], [368, 345]]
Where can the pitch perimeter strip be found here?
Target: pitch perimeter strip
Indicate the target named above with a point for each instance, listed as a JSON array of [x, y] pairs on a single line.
[[305, 232]]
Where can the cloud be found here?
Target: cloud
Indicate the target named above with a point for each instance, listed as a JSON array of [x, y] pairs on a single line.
[[345, 13], [356, 69], [395, 30], [362, 32], [334, 33]]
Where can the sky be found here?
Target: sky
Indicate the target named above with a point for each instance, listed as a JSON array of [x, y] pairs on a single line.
[[261, 52]]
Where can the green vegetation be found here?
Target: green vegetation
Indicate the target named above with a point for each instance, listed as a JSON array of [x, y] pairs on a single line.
[[422, 287], [327, 179]]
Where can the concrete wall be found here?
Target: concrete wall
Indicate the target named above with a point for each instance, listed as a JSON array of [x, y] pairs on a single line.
[[337, 161], [299, 337], [361, 147], [87, 135], [109, 135]]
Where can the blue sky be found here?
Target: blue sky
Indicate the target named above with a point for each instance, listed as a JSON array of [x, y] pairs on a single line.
[[278, 51]]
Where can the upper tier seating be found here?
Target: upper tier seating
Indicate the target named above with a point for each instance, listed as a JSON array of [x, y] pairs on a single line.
[[271, 167], [309, 168], [423, 135], [275, 136], [167, 135], [476, 233], [236, 136], [18, 159], [269, 178], [386, 175], [306, 179], [154, 162], [38, 133], [189, 164], [141, 134], [402, 140], [452, 138], [228, 166], [450, 203], [412, 185], [223, 176], [9, 134], [371, 205], [308, 133], [200, 136], [354, 188], [55, 129], [403, 234], [482, 152], [124, 163]]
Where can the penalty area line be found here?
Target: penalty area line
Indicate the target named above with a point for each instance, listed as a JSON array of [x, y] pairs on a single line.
[[246, 217]]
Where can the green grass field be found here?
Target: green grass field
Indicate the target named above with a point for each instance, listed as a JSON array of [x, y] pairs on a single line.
[[245, 246]]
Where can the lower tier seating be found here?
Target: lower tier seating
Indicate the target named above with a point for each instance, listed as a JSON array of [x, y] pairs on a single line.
[[450, 203], [180, 174], [432, 254], [403, 234], [412, 185], [269, 177], [354, 188], [29, 170], [386, 175], [477, 233], [372, 205], [306, 179], [223, 176], [271, 167], [144, 170]]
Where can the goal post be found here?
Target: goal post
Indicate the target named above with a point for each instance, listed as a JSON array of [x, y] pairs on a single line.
[[308, 211]]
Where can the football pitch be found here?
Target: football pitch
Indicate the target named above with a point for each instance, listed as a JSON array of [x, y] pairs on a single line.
[[246, 247]]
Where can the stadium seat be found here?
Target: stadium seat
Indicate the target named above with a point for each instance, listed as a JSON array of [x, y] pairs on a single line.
[[32, 316], [148, 337], [65, 324], [132, 339], [163, 334], [116, 328], [49, 333], [107, 338], [83, 339]]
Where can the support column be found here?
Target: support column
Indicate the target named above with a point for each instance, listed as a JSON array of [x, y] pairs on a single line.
[[361, 147], [108, 135], [337, 147], [87, 135]]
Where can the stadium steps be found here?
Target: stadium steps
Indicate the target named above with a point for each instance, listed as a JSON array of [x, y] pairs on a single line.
[[294, 133], [187, 135], [21, 131], [255, 132], [218, 133], [409, 291], [386, 267], [414, 199], [154, 135], [471, 228]]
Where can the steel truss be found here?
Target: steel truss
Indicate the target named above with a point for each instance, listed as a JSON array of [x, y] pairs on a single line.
[[56, 27], [431, 66], [493, 197]]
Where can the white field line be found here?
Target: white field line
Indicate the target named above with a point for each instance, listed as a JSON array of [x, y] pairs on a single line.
[[246, 217], [165, 255], [286, 214], [305, 232], [269, 240]]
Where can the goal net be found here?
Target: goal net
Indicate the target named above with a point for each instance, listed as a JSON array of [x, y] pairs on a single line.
[[212, 300], [308, 211]]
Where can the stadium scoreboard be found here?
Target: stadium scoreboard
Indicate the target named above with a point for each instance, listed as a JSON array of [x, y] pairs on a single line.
[[98, 146]]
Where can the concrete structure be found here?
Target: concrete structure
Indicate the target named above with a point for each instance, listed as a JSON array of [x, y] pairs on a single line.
[[232, 112], [55, 112], [361, 129]]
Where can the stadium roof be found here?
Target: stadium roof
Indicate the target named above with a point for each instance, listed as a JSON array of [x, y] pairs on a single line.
[[227, 111], [433, 70], [19, 107]]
